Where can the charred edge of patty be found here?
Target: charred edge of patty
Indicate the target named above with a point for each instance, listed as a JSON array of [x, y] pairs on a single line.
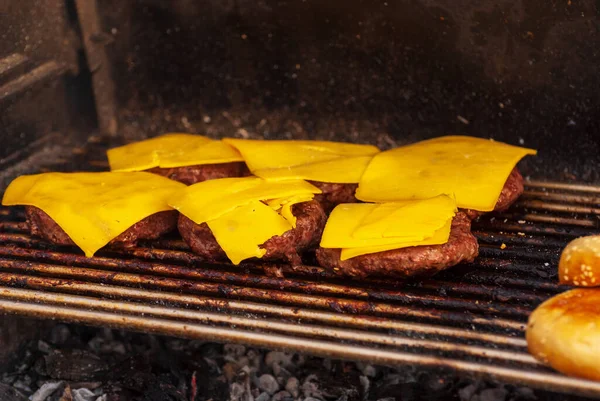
[[310, 222], [511, 191], [333, 194], [43, 226], [423, 260], [202, 172]]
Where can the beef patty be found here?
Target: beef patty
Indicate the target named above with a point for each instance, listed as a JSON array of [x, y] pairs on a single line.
[[310, 222], [152, 227], [513, 188], [333, 194], [202, 172], [407, 262]]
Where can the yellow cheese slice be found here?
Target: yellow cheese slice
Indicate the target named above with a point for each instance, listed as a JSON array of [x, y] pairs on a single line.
[[363, 228], [474, 170], [439, 237], [348, 219], [208, 200], [171, 150], [284, 206], [322, 161], [93, 208], [407, 219], [241, 231]]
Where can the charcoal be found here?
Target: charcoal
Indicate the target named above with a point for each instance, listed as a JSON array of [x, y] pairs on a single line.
[[74, 365], [493, 394], [237, 390], [234, 350], [282, 396], [160, 391], [230, 370], [292, 386], [133, 372], [281, 358], [84, 394], [467, 392], [263, 397], [44, 347], [46, 390], [67, 395], [11, 393], [268, 383], [524, 393], [59, 335]]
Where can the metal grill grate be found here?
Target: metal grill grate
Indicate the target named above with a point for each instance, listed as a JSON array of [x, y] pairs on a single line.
[[469, 319]]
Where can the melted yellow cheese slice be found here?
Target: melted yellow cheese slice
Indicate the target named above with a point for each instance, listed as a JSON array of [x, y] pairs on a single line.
[[208, 200], [171, 150], [363, 228], [407, 219], [93, 208], [241, 231], [439, 237], [245, 212], [284, 206], [322, 161], [473, 170]]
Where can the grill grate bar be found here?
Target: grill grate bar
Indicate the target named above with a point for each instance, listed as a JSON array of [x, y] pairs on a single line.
[[563, 186], [331, 333], [203, 302], [276, 296]]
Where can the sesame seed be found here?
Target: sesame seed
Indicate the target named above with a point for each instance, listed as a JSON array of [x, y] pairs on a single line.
[[576, 282], [593, 280], [566, 278], [584, 282]]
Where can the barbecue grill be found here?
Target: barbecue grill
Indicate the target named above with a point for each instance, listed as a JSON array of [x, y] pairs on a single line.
[[78, 77]]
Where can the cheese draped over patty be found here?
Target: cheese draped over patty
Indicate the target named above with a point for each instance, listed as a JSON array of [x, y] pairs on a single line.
[[93, 208], [323, 161], [474, 170], [365, 228], [171, 150], [243, 213]]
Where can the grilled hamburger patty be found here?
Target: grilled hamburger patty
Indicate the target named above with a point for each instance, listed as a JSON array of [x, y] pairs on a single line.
[[152, 227], [333, 194], [406, 262], [513, 188], [192, 174], [310, 222]]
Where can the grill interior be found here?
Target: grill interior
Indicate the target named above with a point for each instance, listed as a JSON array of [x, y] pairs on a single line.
[[470, 319]]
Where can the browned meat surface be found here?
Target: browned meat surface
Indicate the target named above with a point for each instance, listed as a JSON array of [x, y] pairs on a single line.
[[334, 194], [307, 234], [513, 188], [152, 227], [192, 174], [406, 262]]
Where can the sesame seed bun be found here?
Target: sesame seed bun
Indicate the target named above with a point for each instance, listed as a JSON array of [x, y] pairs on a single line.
[[580, 262], [564, 332]]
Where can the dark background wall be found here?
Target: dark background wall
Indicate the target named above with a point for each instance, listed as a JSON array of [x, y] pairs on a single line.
[[385, 72]]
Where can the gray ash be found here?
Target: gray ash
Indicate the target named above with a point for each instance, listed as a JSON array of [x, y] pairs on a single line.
[[76, 363]]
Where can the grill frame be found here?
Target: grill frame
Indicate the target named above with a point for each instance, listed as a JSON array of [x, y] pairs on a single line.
[[468, 320]]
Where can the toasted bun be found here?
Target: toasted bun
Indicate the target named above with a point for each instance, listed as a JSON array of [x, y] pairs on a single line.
[[580, 262], [564, 332]]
